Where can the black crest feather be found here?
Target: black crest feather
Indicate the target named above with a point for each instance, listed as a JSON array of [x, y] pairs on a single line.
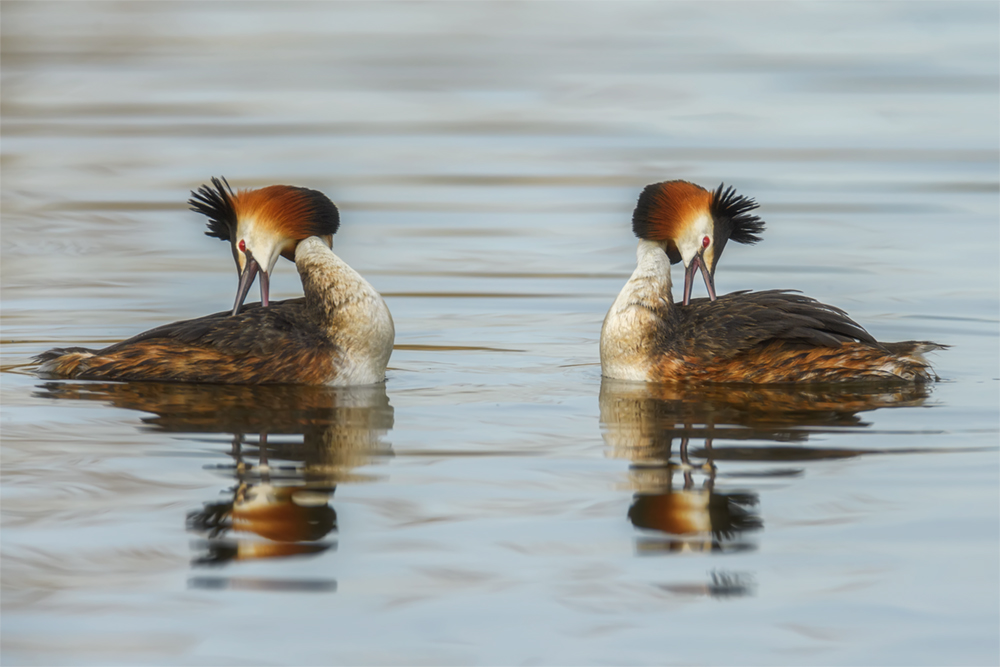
[[731, 213], [642, 225], [217, 205], [324, 218]]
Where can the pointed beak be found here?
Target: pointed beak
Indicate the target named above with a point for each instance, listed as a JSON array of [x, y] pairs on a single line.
[[250, 271], [265, 288], [697, 263]]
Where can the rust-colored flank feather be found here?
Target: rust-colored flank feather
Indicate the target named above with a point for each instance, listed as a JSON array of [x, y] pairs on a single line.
[[781, 362]]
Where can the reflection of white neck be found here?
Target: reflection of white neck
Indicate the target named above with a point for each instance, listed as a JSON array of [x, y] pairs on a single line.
[[636, 315], [350, 310]]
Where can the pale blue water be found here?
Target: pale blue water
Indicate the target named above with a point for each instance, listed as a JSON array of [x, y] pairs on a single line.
[[494, 503]]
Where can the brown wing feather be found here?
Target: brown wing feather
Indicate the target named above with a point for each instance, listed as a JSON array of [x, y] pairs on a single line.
[[777, 336], [254, 330], [740, 321], [280, 344]]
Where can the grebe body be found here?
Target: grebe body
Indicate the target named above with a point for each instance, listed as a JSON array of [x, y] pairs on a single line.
[[745, 337], [340, 333]]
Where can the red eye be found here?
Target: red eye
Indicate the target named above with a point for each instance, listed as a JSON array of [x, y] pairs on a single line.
[[243, 246], [704, 242]]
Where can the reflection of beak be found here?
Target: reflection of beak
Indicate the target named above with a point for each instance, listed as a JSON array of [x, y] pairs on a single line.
[[697, 263], [246, 281]]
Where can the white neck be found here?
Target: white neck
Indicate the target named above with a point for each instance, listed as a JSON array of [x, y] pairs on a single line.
[[348, 307], [636, 315], [650, 282]]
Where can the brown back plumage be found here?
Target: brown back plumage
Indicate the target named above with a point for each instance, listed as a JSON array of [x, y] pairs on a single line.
[[281, 344], [778, 336], [738, 321]]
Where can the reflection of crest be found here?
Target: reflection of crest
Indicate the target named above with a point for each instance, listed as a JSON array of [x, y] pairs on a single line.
[[291, 517], [689, 517], [677, 504], [309, 439]]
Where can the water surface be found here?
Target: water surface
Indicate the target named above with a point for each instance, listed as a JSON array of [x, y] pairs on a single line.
[[496, 502]]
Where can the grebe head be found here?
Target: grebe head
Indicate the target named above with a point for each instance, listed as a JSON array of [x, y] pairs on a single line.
[[696, 224], [262, 225]]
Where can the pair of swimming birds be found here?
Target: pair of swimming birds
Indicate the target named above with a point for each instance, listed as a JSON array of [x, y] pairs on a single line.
[[341, 332]]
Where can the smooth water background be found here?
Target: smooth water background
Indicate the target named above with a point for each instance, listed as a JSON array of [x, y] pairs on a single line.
[[494, 503]]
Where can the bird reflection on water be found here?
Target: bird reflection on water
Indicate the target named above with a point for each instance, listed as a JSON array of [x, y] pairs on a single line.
[[675, 513], [309, 440]]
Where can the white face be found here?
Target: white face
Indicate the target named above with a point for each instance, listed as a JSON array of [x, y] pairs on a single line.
[[696, 237], [263, 242]]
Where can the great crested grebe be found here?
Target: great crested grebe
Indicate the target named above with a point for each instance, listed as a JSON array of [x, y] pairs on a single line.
[[340, 333], [752, 337]]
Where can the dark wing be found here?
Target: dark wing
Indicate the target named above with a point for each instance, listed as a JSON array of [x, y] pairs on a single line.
[[739, 321], [255, 330], [279, 344]]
